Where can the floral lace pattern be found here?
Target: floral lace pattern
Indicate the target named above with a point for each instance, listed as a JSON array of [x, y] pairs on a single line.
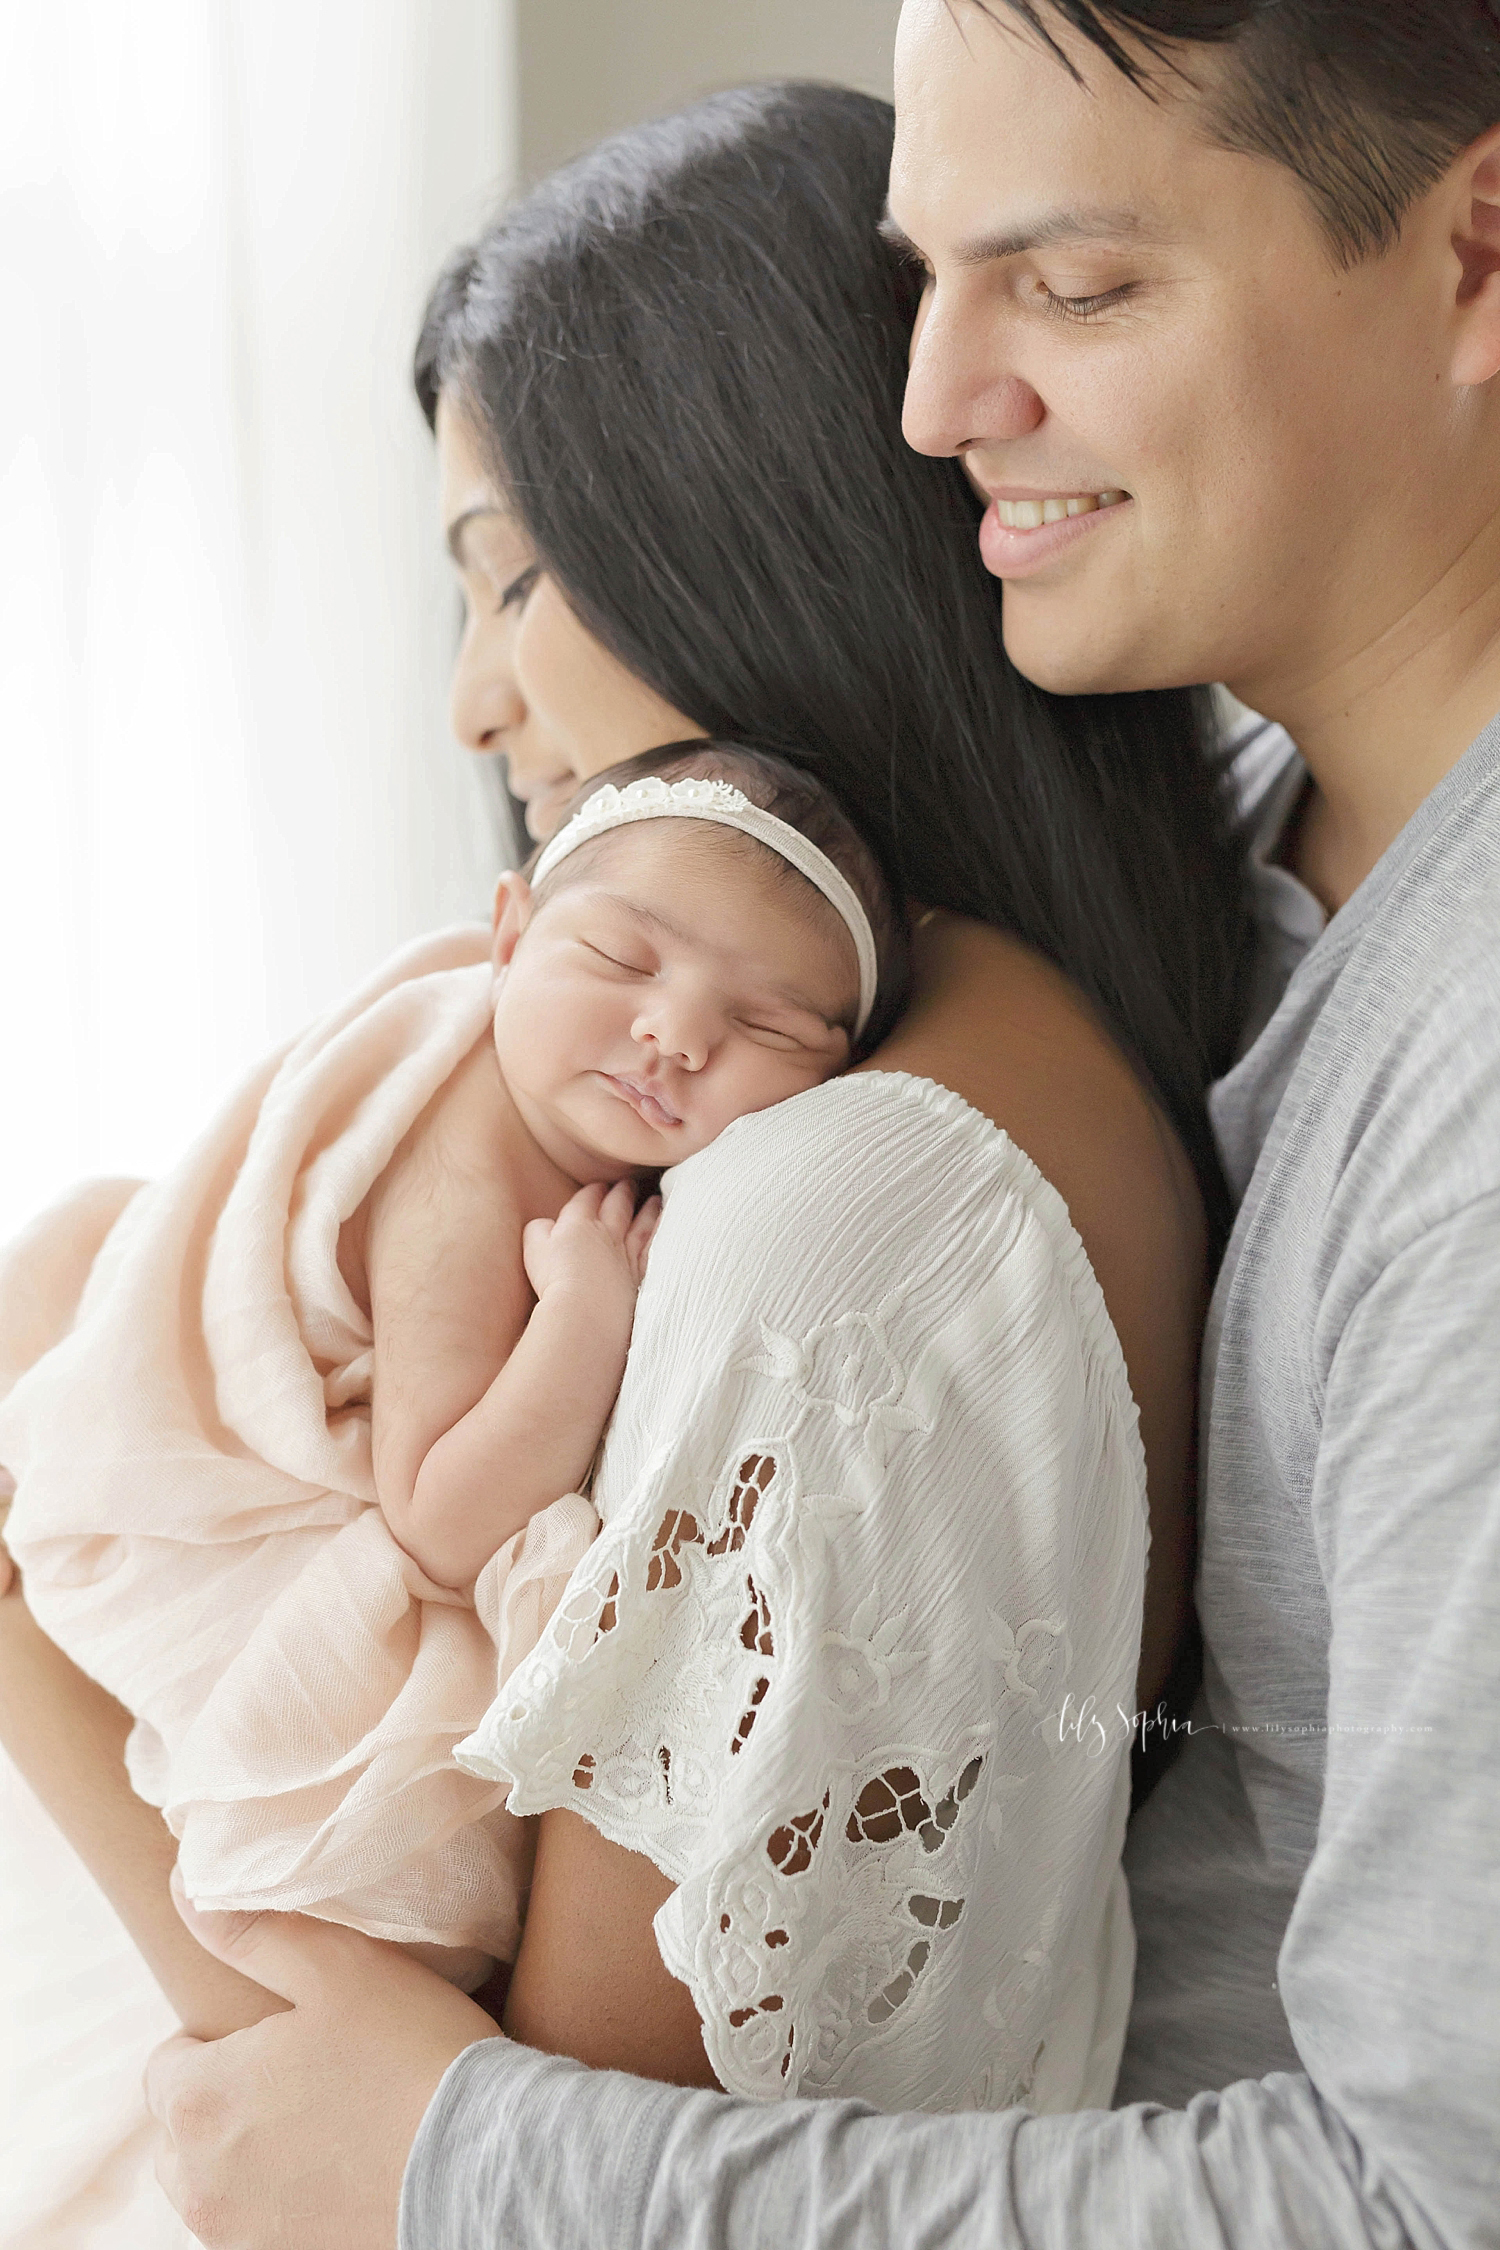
[[871, 1510]]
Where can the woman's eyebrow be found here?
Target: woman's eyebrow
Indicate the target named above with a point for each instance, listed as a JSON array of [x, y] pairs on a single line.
[[458, 530]]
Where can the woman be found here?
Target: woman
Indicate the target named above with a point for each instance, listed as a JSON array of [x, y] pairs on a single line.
[[666, 394]]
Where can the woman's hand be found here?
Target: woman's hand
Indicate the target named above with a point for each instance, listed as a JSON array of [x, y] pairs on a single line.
[[297, 2131]]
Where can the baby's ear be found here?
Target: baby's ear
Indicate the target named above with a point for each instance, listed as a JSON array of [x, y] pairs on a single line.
[[513, 910]]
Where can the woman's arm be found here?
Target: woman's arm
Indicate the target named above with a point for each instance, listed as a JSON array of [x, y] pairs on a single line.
[[588, 1980]]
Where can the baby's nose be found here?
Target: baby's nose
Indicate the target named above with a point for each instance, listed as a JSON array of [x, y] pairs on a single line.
[[677, 1031]]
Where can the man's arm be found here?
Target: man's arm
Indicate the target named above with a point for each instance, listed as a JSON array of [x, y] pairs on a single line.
[[520, 2151]]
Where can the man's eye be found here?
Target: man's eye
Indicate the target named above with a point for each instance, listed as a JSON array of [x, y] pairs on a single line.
[[1081, 308]]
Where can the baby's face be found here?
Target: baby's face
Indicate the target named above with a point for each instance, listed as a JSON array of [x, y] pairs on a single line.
[[673, 985]]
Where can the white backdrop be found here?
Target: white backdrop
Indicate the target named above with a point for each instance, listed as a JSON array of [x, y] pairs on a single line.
[[587, 67], [227, 786]]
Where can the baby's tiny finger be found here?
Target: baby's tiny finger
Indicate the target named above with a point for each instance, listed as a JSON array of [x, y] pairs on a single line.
[[638, 1241], [646, 1220], [582, 1207], [618, 1208]]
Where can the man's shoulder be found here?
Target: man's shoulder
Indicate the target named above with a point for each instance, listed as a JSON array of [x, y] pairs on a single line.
[[1413, 997], [1378, 1081], [1365, 1110]]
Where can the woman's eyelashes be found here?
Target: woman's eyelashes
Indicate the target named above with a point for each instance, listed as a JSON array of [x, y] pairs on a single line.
[[520, 586], [491, 587]]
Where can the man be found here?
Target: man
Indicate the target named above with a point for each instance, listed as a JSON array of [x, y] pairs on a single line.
[[1214, 318]]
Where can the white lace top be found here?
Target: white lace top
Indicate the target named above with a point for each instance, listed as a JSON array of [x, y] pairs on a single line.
[[874, 1533]]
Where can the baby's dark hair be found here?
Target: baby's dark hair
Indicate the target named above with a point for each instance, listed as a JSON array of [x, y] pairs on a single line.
[[782, 789]]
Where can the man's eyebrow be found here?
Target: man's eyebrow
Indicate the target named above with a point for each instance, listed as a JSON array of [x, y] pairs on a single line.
[[1100, 225]]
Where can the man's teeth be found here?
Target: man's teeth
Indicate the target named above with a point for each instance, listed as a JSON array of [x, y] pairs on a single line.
[[1030, 515]]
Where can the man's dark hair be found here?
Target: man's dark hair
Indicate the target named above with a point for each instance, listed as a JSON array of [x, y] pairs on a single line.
[[1367, 101], [686, 355]]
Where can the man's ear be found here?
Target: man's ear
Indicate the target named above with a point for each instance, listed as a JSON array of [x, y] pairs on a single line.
[[514, 907], [1476, 241]]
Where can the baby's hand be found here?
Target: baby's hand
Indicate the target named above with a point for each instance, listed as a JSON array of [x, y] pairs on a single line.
[[596, 1245]]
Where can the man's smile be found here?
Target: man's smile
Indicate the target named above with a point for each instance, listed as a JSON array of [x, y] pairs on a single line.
[[1024, 531], [1028, 511]]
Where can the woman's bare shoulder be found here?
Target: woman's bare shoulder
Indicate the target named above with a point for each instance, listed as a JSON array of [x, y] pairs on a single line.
[[1007, 1031]]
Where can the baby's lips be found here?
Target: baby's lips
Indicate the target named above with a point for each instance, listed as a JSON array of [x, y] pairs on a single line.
[[650, 1106]]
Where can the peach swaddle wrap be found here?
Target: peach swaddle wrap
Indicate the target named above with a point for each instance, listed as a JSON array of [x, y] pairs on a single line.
[[196, 1518]]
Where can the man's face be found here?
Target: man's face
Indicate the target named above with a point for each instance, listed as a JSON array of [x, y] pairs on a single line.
[[1118, 309]]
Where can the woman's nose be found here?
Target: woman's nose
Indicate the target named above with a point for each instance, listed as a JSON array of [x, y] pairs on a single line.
[[487, 705], [960, 394]]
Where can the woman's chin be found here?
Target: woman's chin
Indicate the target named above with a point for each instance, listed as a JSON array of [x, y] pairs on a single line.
[[545, 814]]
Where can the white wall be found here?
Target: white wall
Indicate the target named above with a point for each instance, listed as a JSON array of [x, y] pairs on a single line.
[[227, 784], [588, 66]]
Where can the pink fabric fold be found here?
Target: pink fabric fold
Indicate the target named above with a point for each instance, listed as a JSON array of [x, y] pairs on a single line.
[[195, 1509]]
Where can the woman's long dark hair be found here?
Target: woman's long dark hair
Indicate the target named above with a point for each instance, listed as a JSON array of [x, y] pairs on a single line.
[[688, 351]]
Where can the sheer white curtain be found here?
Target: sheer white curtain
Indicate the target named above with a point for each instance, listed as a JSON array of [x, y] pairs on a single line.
[[227, 786]]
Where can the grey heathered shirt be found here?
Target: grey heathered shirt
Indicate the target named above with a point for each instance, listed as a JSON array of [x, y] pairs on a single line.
[[1317, 1881]]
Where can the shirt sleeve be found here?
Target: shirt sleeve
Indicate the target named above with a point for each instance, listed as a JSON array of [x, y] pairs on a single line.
[[521, 2151], [872, 1549], [1388, 1972]]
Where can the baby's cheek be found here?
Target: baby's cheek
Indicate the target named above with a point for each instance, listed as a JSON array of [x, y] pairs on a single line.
[[535, 1032], [776, 1078]]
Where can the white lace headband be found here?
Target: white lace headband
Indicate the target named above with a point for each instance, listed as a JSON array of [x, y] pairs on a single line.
[[654, 799]]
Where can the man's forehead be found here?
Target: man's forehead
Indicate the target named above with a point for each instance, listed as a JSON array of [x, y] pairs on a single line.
[[1002, 146]]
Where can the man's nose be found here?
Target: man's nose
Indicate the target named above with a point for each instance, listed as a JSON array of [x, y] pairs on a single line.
[[486, 704], [960, 394]]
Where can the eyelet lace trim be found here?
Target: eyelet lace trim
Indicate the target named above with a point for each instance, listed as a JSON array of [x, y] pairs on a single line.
[[812, 1665]]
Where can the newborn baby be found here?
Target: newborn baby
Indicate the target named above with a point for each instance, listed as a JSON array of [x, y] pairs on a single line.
[[301, 1485], [659, 979]]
